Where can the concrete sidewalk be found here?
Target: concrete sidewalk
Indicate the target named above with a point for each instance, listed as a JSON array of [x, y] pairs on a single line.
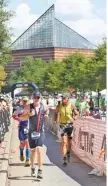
[[75, 174], [4, 156]]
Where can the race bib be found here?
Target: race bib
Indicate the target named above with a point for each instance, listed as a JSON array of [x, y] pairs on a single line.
[[25, 131], [35, 135]]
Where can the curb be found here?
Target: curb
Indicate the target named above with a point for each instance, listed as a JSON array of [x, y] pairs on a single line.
[[5, 163]]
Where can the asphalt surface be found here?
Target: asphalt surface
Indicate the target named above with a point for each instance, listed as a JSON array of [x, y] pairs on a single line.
[[75, 174]]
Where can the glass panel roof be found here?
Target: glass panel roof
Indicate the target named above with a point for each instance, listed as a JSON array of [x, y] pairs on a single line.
[[47, 31]]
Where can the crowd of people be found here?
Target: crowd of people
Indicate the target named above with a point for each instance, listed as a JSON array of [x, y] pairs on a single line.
[[31, 131], [88, 105], [5, 115], [5, 102], [91, 106], [31, 114]]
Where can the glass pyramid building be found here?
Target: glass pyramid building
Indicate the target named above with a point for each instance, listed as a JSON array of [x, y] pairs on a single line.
[[47, 32]]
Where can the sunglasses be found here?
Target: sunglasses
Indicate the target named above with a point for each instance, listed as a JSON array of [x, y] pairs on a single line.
[[64, 97], [36, 97]]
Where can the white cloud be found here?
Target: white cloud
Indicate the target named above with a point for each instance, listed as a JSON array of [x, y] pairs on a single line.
[[83, 19], [23, 19], [94, 28], [102, 13], [81, 8]]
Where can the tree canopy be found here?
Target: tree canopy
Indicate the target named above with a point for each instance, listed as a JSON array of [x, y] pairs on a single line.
[[2, 76], [100, 61], [5, 37], [33, 70], [77, 71]]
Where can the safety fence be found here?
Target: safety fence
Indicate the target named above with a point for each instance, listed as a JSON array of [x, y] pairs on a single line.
[[4, 122], [89, 140]]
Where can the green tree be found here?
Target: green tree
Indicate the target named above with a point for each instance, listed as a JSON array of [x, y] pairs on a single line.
[[100, 65], [5, 36], [85, 72], [2, 76], [76, 71], [53, 77], [32, 71]]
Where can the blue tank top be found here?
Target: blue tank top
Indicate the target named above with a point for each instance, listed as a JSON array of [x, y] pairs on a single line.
[[24, 123]]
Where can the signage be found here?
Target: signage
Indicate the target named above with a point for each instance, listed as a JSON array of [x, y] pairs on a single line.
[[88, 141], [22, 85], [71, 90]]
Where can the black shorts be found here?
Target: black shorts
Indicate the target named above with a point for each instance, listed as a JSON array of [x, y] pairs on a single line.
[[91, 108], [67, 129], [36, 143]]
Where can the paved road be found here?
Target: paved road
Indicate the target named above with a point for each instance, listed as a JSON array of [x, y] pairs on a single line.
[[77, 169], [2, 150], [75, 174]]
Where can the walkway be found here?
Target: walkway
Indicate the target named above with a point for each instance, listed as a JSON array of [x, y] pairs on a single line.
[[75, 174]]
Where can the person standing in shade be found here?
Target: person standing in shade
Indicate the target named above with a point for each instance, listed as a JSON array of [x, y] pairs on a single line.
[[91, 104]]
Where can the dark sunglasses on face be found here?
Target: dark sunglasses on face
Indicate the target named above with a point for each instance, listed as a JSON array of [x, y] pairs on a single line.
[[36, 97], [64, 97]]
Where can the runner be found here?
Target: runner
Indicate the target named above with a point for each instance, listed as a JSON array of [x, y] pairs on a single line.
[[66, 112], [23, 130], [36, 114]]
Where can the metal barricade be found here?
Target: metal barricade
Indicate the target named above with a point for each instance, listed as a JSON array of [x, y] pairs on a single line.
[[4, 123]]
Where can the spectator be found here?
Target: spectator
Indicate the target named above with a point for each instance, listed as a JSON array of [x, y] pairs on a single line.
[[91, 104]]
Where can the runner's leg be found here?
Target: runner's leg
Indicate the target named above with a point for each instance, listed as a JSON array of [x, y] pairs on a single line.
[[69, 147], [64, 149], [32, 158], [27, 153], [40, 155], [69, 144], [22, 144]]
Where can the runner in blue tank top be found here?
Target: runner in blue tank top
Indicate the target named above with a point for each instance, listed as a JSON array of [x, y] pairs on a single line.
[[23, 131]]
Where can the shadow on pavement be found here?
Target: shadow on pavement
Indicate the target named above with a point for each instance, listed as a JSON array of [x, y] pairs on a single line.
[[76, 169], [3, 171], [24, 178], [22, 164], [3, 159]]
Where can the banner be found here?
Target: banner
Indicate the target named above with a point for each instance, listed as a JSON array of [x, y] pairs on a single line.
[[89, 140]]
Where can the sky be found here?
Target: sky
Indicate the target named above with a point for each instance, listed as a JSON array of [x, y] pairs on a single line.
[[87, 17]]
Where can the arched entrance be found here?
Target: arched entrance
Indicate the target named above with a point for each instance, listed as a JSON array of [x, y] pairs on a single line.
[[11, 89], [23, 85]]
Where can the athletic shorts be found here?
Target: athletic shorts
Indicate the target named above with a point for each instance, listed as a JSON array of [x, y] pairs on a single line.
[[37, 142], [22, 134], [91, 108], [66, 129]]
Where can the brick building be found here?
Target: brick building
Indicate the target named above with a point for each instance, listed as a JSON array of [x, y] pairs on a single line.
[[48, 38]]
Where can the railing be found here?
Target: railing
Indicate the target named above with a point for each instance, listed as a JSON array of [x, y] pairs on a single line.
[[4, 122]]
